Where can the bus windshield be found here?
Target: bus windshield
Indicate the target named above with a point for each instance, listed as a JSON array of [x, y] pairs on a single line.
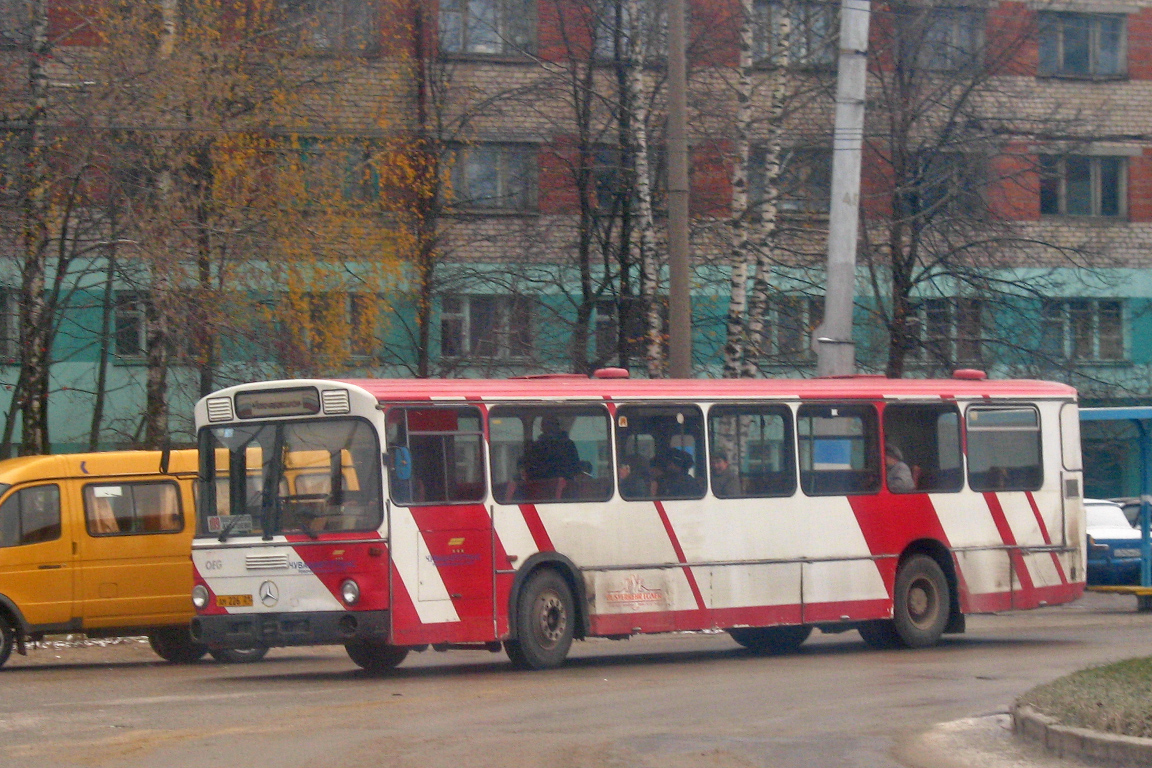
[[302, 477]]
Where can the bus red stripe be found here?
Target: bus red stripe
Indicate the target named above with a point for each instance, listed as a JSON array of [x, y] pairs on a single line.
[[1047, 538], [536, 528], [1005, 530], [680, 555]]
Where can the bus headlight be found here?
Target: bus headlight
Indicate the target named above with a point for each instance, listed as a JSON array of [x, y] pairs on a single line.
[[350, 591], [200, 596]]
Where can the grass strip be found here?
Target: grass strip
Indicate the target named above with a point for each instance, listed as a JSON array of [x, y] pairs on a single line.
[[1116, 698]]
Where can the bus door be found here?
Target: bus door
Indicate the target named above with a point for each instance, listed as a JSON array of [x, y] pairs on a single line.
[[135, 563], [38, 554], [441, 532]]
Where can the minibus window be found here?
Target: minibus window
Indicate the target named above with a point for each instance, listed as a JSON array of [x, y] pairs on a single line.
[[132, 508], [30, 516]]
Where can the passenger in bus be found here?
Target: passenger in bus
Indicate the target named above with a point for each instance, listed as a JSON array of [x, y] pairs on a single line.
[[899, 475], [553, 453], [635, 479], [673, 480], [725, 478]]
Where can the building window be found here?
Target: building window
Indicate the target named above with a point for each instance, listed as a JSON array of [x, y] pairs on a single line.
[[788, 327], [944, 182], [634, 310], [940, 39], [951, 331], [335, 26], [487, 26], [9, 323], [795, 34], [804, 185], [641, 27], [1082, 45], [495, 176], [326, 172], [1083, 329], [131, 324], [493, 327], [15, 18], [1083, 186]]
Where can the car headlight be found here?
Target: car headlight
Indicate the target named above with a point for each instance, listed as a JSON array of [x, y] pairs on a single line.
[[350, 591], [200, 596]]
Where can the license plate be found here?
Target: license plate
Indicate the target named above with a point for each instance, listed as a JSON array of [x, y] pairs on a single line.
[[1126, 553], [234, 601]]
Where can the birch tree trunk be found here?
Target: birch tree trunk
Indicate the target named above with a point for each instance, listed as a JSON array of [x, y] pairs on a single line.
[[737, 339], [768, 212], [647, 257]]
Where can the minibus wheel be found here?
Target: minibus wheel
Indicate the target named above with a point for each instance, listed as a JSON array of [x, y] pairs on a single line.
[[7, 639], [238, 655], [921, 602], [771, 639], [175, 644], [544, 622], [375, 657]]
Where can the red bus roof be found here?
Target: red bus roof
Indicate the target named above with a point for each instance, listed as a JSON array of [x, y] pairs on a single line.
[[568, 387]]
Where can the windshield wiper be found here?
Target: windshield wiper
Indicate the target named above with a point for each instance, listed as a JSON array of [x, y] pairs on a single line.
[[228, 528]]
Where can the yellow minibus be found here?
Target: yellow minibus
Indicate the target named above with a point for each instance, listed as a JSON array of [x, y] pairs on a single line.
[[100, 543]]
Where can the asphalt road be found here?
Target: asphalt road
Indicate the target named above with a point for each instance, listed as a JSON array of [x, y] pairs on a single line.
[[667, 701]]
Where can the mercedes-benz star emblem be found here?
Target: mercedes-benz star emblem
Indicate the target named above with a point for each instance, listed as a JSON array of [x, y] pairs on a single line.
[[269, 595]]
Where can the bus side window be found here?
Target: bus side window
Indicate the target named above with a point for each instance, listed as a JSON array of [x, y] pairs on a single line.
[[1004, 449], [30, 516], [839, 449], [550, 454], [928, 439], [660, 452], [444, 455], [751, 451]]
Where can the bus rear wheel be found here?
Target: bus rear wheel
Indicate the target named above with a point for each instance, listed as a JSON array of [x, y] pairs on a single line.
[[375, 657], [176, 645], [7, 639], [921, 602], [772, 640], [544, 622]]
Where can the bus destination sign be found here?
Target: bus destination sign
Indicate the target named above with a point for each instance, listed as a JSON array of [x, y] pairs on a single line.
[[304, 401]]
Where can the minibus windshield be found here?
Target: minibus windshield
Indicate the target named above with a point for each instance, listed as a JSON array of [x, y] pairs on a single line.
[[302, 477]]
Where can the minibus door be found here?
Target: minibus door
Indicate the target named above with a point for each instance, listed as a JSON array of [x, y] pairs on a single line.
[[38, 555]]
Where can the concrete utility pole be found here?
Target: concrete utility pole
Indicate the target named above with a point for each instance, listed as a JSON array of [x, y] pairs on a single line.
[[835, 350], [679, 301]]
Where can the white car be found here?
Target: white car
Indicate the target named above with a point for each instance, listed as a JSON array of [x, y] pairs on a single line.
[[1113, 544]]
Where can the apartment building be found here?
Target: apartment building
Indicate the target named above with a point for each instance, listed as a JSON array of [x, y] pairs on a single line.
[[1005, 220]]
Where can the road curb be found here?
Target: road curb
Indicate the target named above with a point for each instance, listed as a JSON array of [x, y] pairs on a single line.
[[1064, 740]]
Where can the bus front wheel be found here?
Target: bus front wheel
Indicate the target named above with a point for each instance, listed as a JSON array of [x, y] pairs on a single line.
[[921, 602], [771, 639], [544, 622], [176, 645], [375, 657], [7, 639]]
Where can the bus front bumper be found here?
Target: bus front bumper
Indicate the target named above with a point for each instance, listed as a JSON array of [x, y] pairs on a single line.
[[248, 630]]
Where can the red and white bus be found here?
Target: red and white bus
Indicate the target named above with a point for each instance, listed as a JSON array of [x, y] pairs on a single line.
[[394, 515]]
